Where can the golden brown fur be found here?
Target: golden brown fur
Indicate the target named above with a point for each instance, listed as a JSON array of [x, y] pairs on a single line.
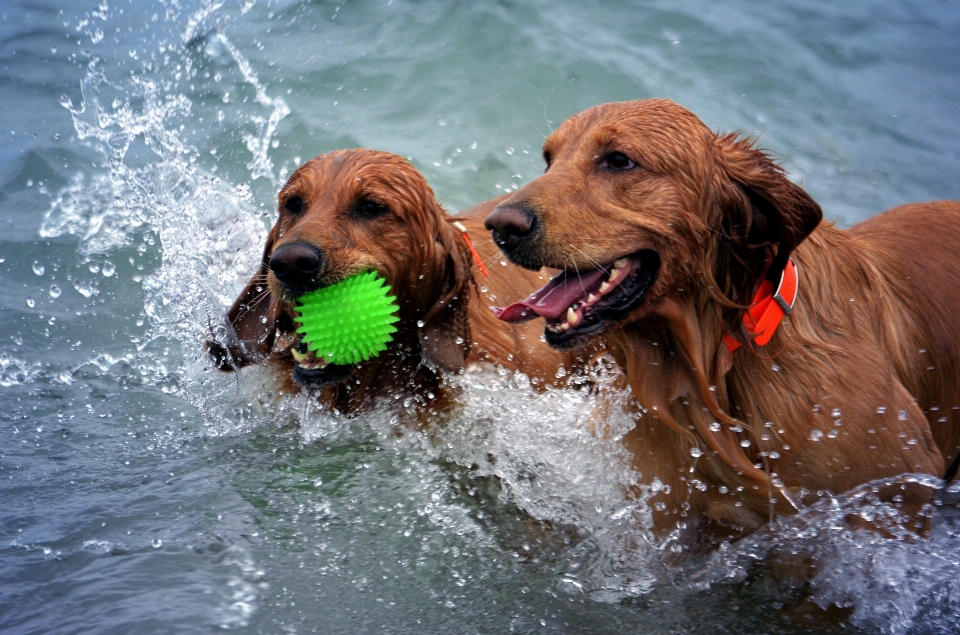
[[444, 301], [869, 357]]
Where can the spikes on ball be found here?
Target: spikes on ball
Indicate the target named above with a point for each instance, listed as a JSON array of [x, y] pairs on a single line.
[[348, 322]]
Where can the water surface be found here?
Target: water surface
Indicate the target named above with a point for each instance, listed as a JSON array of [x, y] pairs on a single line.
[[141, 148]]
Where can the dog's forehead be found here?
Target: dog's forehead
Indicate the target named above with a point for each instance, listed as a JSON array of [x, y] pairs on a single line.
[[653, 125], [351, 173]]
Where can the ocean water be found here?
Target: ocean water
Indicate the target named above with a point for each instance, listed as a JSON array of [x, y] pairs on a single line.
[[141, 149]]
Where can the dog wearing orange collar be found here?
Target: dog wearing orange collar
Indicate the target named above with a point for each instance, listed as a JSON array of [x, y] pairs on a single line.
[[776, 358]]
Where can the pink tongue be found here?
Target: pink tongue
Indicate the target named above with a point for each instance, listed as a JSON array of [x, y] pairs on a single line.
[[553, 299]]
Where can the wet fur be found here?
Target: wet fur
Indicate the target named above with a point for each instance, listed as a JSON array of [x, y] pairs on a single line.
[[426, 262], [876, 324]]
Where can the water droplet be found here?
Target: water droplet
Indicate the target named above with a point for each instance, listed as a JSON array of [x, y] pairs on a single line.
[[55, 291], [776, 368], [835, 413], [420, 324], [108, 268], [157, 543], [38, 268], [696, 452], [84, 289], [902, 415], [714, 427], [94, 267], [745, 443], [912, 442], [881, 410], [774, 455], [816, 435], [30, 302], [833, 433]]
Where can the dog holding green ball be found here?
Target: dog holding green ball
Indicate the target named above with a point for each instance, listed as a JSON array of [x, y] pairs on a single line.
[[368, 291]]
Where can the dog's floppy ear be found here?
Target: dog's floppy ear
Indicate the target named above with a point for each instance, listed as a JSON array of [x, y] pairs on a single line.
[[761, 214], [445, 334], [247, 336]]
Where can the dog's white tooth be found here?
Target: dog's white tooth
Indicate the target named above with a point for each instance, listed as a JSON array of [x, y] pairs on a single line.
[[619, 264], [572, 317], [606, 286], [591, 298], [614, 274], [297, 355]]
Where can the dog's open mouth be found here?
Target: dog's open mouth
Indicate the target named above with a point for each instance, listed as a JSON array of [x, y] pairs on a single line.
[[580, 305], [314, 372]]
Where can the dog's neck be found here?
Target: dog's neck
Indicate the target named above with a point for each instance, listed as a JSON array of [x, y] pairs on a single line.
[[677, 367]]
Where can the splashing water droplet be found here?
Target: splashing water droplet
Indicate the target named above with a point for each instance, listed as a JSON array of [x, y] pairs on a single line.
[[38, 267], [30, 302], [108, 269], [745, 443], [94, 267], [84, 289], [55, 291], [816, 435], [714, 427], [696, 452]]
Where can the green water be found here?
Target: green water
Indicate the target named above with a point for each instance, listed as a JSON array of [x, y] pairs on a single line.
[[141, 149]]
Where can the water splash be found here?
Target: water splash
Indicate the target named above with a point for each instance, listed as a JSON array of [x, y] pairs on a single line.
[[209, 230], [890, 584]]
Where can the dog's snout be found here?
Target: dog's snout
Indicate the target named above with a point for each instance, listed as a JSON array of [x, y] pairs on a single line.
[[296, 264], [510, 224]]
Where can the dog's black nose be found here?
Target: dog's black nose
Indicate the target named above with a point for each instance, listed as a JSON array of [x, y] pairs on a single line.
[[509, 224], [295, 264]]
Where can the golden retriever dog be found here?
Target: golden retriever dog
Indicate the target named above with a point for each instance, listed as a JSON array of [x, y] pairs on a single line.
[[777, 359], [351, 211]]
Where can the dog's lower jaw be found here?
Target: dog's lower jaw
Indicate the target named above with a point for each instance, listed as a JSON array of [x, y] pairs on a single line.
[[320, 378]]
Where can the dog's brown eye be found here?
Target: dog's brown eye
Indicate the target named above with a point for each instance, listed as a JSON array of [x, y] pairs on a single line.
[[618, 161], [293, 205], [368, 208]]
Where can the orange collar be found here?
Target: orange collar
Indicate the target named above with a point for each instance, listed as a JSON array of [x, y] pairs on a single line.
[[473, 250], [768, 308]]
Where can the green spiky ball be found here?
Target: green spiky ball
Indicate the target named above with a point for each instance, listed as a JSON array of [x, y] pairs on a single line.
[[348, 322]]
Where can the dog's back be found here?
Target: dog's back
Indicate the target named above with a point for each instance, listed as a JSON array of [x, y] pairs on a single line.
[[917, 246]]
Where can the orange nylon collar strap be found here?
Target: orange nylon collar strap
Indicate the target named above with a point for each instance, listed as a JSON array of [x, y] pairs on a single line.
[[476, 256], [768, 308]]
